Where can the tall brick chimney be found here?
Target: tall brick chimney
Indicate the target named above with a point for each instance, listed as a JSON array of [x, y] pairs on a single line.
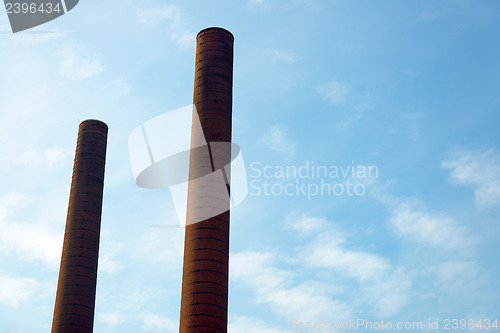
[[75, 299], [206, 249]]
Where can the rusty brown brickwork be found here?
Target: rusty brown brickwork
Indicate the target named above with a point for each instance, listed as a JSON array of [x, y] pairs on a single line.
[[75, 299], [206, 249]]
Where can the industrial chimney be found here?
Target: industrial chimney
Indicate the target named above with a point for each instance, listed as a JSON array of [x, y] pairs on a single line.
[[206, 249], [75, 299]]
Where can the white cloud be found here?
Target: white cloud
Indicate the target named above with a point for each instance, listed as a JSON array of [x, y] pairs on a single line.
[[390, 293], [32, 37], [382, 285], [110, 318], [273, 286], [15, 291], [334, 92], [119, 86], [433, 14], [257, 263], [457, 276], [175, 21], [244, 324], [108, 252], [307, 301], [78, 62], [412, 123], [305, 224], [353, 115], [350, 119], [155, 322], [279, 55], [477, 168], [430, 229], [10, 201], [259, 4], [50, 157], [326, 252], [383, 288], [15, 103], [279, 141], [156, 15], [313, 5], [151, 246], [34, 241], [36, 77], [131, 301]]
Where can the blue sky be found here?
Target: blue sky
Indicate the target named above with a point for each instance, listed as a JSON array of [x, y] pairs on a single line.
[[410, 88]]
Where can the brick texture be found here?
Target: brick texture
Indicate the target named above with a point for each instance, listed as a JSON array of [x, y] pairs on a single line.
[[75, 298], [206, 249]]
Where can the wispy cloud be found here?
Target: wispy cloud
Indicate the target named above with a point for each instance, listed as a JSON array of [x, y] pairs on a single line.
[[153, 322], [259, 4], [274, 286], [432, 14], [135, 303], [256, 263], [278, 140], [277, 55], [355, 114], [48, 157], [334, 92], [175, 21], [119, 87], [391, 293], [33, 241], [479, 169], [79, 62], [383, 286], [245, 324], [458, 276], [15, 291], [412, 123], [449, 270], [109, 252], [151, 245], [328, 251], [31, 38], [110, 318], [304, 223], [412, 221]]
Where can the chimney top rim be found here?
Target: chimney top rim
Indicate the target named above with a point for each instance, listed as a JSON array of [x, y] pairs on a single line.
[[95, 122], [218, 29]]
